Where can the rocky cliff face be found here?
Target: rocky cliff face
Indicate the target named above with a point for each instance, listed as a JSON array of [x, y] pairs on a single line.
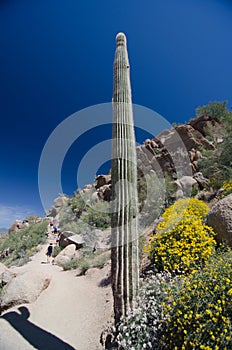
[[168, 152]]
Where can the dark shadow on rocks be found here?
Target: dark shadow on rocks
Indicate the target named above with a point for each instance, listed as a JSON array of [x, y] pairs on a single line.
[[36, 336]]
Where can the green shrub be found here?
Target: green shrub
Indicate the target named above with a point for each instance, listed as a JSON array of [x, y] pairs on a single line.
[[87, 261], [70, 265], [23, 243], [56, 250], [98, 215]]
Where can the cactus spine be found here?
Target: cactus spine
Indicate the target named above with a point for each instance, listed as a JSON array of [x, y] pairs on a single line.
[[124, 217]]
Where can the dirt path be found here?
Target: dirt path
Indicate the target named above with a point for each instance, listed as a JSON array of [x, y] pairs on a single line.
[[69, 314]]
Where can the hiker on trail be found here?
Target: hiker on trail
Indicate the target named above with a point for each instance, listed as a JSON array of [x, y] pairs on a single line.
[[49, 252], [51, 223], [55, 229]]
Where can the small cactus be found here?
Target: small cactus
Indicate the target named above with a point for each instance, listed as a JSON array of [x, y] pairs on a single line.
[[124, 216]]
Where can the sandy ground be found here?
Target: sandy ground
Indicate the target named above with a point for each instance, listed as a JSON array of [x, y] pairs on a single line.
[[70, 314]]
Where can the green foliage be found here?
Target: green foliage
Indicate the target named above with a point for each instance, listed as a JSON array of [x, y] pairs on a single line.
[[216, 110], [86, 262], [56, 250], [217, 164], [151, 199], [98, 215], [77, 204], [23, 244], [182, 241]]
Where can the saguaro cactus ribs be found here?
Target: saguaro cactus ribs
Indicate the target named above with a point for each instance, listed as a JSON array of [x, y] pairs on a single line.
[[124, 220]]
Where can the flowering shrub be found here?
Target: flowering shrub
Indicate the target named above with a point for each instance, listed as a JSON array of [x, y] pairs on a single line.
[[199, 314], [227, 186], [182, 240], [188, 244], [190, 312], [140, 329], [181, 209]]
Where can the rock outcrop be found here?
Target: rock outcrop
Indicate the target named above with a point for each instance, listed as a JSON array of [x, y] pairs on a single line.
[[220, 219], [59, 203], [66, 255], [24, 288]]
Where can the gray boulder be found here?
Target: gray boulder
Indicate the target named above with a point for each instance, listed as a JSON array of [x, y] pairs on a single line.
[[24, 288], [6, 276], [220, 219], [185, 184], [66, 255]]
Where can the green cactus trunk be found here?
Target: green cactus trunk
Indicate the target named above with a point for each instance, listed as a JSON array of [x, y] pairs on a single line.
[[124, 217]]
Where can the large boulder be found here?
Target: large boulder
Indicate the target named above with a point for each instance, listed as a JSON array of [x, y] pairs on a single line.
[[59, 203], [16, 226], [205, 123], [185, 184], [191, 137], [66, 255], [24, 288], [220, 219], [6, 276], [102, 180]]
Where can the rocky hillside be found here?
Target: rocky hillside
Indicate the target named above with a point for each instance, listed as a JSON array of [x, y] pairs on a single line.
[[181, 161]]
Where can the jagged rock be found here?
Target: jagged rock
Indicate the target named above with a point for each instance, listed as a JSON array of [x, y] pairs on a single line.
[[105, 192], [192, 138], [17, 225], [220, 219], [102, 180], [66, 255], [203, 123], [59, 202], [201, 180], [24, 288], [63, 242]]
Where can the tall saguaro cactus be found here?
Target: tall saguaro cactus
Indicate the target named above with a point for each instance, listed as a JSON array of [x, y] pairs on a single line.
[[124, 217]]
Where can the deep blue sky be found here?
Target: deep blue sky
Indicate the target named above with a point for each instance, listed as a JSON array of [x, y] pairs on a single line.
[[56, 58]]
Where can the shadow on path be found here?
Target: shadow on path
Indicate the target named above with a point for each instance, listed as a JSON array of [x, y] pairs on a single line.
[[36, 336]]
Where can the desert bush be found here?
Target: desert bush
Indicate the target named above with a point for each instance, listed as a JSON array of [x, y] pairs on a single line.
[[70, 265], [182, 241], [97, 215], [199, 314], [216, 164], [56, 250], [141, 327], [227, 187], [87, 261], [182, 312], [23, 244]]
